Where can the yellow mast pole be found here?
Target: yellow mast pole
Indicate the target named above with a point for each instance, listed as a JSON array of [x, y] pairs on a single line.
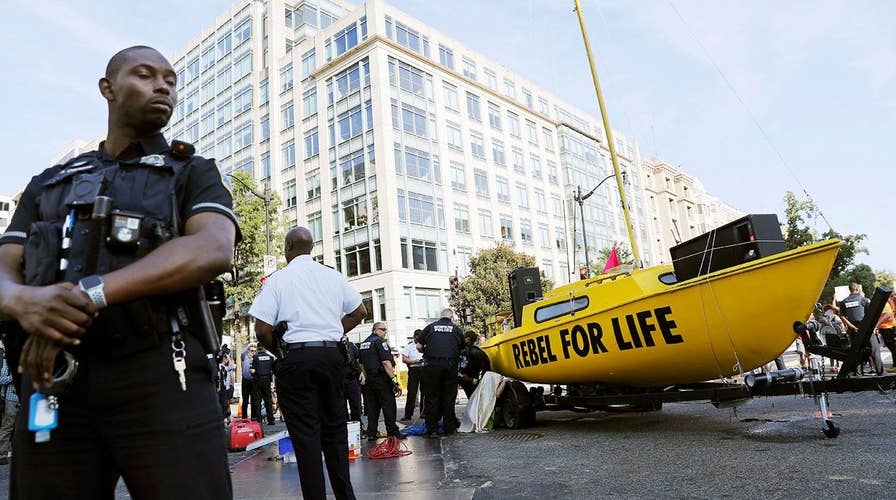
[[603, 115]]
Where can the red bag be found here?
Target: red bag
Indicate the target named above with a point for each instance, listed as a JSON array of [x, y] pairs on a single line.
[[242, 432]]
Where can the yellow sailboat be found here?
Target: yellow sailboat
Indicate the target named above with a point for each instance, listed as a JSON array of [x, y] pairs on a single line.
[[651, 328], [634, 329]]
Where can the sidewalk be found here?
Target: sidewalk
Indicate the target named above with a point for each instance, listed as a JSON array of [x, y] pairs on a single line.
[[256, 475]]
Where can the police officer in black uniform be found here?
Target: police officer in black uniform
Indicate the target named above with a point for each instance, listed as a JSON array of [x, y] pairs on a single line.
[[263, 371], [352, 384], [379, 382], [103, 258], [442, 343], [852, 310], [474, 363]]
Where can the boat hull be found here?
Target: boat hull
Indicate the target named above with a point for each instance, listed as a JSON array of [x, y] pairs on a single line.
[[637, 331]]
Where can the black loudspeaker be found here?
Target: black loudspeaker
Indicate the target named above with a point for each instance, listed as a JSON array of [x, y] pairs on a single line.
[[525, 288], [743, 240]]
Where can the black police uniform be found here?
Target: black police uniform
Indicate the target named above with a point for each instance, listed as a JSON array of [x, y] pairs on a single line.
[[473, 363], [125, 414], [352, 386], [263, 363], [378, 386], [443, 341]]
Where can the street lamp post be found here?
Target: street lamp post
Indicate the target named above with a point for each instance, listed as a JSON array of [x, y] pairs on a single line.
[[266, 198], [580, 199]]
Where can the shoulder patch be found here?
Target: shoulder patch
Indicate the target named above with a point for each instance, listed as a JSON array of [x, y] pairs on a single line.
[[385, 346]]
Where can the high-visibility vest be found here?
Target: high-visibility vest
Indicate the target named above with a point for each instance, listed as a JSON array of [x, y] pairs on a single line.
[[889, 308]]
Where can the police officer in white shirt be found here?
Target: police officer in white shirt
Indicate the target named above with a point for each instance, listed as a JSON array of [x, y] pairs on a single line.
[[413, 358], [319, 306]]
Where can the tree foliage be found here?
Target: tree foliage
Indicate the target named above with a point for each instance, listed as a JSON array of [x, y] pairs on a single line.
[[801, 215], [243, 285], [485, 291]]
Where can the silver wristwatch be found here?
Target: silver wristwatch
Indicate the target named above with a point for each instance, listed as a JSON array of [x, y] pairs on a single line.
[[93, 287]]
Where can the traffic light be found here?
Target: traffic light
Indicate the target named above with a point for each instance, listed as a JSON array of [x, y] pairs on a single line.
[[583, 273], [454, 284]]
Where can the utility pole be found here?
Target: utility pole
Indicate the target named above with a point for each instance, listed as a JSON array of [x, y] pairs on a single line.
[[580, 199]]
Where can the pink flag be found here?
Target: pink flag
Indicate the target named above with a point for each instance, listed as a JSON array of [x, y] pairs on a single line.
[[612, 260]]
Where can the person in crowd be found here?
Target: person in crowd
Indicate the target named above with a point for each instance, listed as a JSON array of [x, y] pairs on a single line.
[[10, 411], [249, 402], [320, 307], [225, 384], [379, 382], [442, 342], [413, 359], [352, 383], [473, 363], [262, 377], [144, 224]]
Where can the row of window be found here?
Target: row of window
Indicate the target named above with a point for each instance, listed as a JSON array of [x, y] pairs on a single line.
[[212, 51]]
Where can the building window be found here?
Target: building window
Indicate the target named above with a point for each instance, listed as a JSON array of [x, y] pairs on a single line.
[[264, 91], [485, 224], [192, 134], [286, 78], [552, 173], [506, 228], [417, 163], [315, 225], [208, 91], [224, 46], [516, 156], [289, 194], [446, 56], [498, 152], [312, 143], [422, 256], [560, 239], [381, 300], [242, 66], [312, 185], [407, 77], [461, 219], [243, 31], [548, 137], [491, 80], [413, 120], [540, 201], [420, 208], [309, 63], [557, 205], [547, 268], [473, 107], [224, 147], [458, 177], [531, 132], [242, 102], [408, 37], [526, 232], [509, 89], [449, 92], [349, 123], [354, 213], [346, 39], [309, 103], [469, 68], [454, 138], [494, 116], [208, 57], [476, 145], [224, 79], [536, 166], [352, 167], [514, 123], [522, 194], [357, 262], [288, 115], [480, 179], [543, 106], [527, 98], [347, 82], [544, 235], [242, 136], [289, 154], [502, 189]]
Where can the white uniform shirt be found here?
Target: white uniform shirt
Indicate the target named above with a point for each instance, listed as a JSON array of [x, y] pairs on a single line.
[[412, 353], [310, 297]]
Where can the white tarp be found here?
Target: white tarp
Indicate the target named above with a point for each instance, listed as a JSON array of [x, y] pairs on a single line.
[[482, 403]]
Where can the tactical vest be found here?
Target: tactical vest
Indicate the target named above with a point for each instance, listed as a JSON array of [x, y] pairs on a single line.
[[142, 190], [369, 356]]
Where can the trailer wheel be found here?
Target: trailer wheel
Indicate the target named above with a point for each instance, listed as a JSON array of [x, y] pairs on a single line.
[[517, 411]]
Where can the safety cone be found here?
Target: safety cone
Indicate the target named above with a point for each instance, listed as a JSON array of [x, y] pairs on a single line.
[[239, 411]]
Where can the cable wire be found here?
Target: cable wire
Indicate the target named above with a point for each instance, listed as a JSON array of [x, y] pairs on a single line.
[[392, 447]]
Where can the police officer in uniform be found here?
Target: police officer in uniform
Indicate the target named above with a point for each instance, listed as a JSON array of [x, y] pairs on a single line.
[[352, 383], [319, 306], [263, 371], [379, 382], [852, 310], [474, 363], [442, 343], [103, 258]]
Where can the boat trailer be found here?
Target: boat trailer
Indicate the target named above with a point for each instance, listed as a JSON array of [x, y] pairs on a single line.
[[517, 405]]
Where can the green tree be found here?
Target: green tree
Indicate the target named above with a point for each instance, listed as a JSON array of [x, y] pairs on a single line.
[[485, 290], [799, 213], [885, 278], [244, 281]]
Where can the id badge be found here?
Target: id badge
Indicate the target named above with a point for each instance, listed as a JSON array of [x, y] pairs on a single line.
[[41, 416]]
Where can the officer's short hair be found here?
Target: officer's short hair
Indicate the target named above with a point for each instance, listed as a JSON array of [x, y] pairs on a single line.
[[853, 287], [447, 313], [120, 57]]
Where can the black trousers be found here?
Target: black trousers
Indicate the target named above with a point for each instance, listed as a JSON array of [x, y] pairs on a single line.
[[248, 401], [128, 418], [889, 337], [440, 391], [415, 376], [263, 393], [352, 389], [309, 390], [380, 397]]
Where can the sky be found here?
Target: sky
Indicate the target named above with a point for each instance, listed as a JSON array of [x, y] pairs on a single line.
[[754, 98]]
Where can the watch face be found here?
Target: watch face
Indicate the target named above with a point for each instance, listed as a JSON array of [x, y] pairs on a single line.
[[91, 282]]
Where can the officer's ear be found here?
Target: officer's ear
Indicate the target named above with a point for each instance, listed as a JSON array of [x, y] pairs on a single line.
[[105, 86]]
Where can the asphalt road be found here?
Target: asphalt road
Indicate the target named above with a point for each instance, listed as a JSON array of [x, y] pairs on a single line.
[[769, 448]]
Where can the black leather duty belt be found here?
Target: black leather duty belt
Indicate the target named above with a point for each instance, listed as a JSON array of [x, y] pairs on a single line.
[[315, 343]]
